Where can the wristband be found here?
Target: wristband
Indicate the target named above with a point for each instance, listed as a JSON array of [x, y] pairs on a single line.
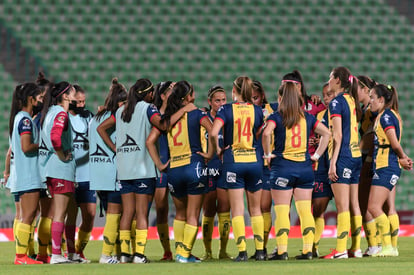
[[266, 156], [316, 156]]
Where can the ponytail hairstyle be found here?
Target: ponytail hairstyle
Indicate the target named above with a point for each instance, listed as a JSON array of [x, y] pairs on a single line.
[[117, 93], [296, 77], [42, 82], [175, 101], [258, 87], [136, 93], [290, 105], [389, 93], [20, 99], [244, 87], [366, 82], [350, 84], [54, 96], [160, 89]]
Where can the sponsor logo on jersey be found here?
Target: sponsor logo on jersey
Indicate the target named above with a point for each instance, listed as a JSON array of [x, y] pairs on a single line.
[[200, 185], [80, 141], [394, 180], [59, 184], [100, 156], [26, 124], [128, 146], [347, 173], [375, 176], [213, 172], [231, 177], [259, 182], [201, 171], [282, 182], [143, 185], [43, 151]]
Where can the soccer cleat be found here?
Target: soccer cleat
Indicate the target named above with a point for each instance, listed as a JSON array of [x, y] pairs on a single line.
[[279, 257], [43, 258], [167, 256], [396, 253], [25, 260], [354, 253], [207, 256], [315, 253], [242, 257], [184, 260], [83, 257], [370, 251], [387, 251], [274, 252], [125, 258], [260, 255], [306, 256], [59, 259], [336, 255], [105, 259], [140, 259], [222, 255], [77, 259]]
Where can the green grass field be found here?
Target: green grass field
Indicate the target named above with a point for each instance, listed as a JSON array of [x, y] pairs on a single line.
[[404, 264]]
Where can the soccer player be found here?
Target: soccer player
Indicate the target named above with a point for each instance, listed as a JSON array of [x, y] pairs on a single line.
[[291, 173], [85, 198], [389, 157], [345, 165], [322, 192], [216, 200], [242, 169], [102, 171], [187, 173], [57, 166], [27, 184]]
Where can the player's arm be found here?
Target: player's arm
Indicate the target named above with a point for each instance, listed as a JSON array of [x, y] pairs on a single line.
[[60, 124], [206, 123], [336, 143], [102, 131], [403, 159], [152, 149], [6, 172], [325, 135], [266, 140], [214, 135]]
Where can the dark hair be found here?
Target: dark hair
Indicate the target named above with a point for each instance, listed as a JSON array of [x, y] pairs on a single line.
[[244, 87], [160, 88], [117, 93], [53, 96], [290, 106], [20, 98], [258, 87], [365, 81], [78, 89], [42, 82], [296, 76], [350, 84], [389, 93], [136, 93], [175, 101]]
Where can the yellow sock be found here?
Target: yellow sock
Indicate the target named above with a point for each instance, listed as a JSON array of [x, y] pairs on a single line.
[[118, 246], [22, 238], [110, 234], [258, 231], [370, 228], [224, 229], [207, 224], [343, 225], [319, 227], [282, 227], [141, 240], [43, 234], [178, 228], [125, 240], [307, 224], [15, 223], [239, 232], [31, 250], [383, 225], [190, 234], [378, 237], [267, 226], [164, 235], [356, 225], [395, 228], [133, 240], [82, 241]]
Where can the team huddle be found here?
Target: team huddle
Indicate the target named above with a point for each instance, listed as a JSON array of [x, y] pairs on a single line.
[[151, 141]]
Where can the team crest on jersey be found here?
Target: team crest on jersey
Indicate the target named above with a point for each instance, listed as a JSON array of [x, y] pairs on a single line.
[[387, 118], [334, 102], [282, 182], [347, 173], [128, 146], [231, 177], [394, 180], [26, 122], [308, 107]]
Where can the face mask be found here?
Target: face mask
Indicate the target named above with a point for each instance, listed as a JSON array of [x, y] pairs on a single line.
[[38, 108], [72, 105]]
